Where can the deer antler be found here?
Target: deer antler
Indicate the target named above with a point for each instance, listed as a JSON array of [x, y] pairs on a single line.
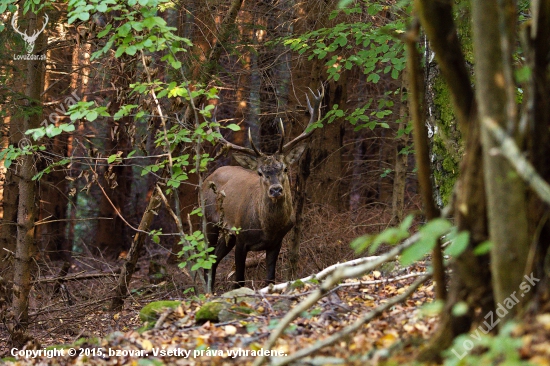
[[282, 128], [315, 114], [231, 146]]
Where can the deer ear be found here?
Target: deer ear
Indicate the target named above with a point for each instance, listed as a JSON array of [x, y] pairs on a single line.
[[293, 155], [246, 161]]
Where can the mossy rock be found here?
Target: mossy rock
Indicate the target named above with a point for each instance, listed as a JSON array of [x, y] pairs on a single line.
[[235, 312], [152, 311], [210, 311]]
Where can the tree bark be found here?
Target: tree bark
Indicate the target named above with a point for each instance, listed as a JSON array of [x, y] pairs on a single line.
[[505, 190], [470, 273], [127, 271], [26, 210], [401, 160]]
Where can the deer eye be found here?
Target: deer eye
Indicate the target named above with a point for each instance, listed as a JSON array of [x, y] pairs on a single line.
[[260, 173], [285, 169]]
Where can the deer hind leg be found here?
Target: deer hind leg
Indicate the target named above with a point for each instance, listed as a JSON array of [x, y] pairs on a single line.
[[222, 249]]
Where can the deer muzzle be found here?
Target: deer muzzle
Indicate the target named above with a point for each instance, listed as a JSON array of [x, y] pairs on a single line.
[[275, 191]]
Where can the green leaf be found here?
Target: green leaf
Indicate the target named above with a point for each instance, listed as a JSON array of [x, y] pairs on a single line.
[[416, 251], [112, 158], [458, 244], [459, 309], [131, 50], [483, 248], [407, 222], [84, 16], [91, 116], [233, 127], [102, 8], [429, 234]]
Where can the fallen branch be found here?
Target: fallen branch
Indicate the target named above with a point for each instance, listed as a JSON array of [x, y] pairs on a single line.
[[354, 327], [75, 277], [319, 276], [339, 274], [386, 280]]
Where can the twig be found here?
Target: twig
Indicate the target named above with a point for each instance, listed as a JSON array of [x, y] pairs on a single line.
[[75, 277], [511, 152], [339, 274], [354, 327], [162, 318]]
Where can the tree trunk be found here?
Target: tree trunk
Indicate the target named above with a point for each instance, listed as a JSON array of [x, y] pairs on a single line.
[[505, 190], [112, 235], [121, 291], [470, 273], [26, 210], [401, 160]]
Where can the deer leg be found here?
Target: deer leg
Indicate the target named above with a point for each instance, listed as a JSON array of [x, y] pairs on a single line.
[[240, 264], [222, 249], [271, 261]]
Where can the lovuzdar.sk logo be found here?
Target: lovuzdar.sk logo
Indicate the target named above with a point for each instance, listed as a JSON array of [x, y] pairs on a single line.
[[29, 40]]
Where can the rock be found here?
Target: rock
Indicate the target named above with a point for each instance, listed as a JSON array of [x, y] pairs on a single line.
[[235, 312], [240, 294], [210, 311], [152, 311]]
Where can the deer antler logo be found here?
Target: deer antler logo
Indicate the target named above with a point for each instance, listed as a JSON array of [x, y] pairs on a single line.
[[29, 40]]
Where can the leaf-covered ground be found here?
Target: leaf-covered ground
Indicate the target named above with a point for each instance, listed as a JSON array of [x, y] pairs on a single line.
[[178, 336]]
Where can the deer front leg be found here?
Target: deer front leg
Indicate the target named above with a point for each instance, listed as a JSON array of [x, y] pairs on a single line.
[[271, 257], [240, 263]]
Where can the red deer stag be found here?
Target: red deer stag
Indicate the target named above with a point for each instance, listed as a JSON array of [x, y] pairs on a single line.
[[256, 200]]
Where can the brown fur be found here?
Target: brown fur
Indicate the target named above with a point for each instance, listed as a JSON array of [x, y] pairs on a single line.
[[258, 206]]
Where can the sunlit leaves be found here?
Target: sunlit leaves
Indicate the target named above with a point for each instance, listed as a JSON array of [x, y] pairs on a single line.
[[429, 235]]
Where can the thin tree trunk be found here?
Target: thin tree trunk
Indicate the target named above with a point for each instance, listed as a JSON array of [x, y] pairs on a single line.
[[26, 210], [505, 190], [121, 291], [401, 160], [470, 273]]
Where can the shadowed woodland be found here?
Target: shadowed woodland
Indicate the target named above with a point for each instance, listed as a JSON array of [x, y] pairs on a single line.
[[398, 149]]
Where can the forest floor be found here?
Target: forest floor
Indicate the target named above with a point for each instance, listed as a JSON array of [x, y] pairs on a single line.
[[78, 319]]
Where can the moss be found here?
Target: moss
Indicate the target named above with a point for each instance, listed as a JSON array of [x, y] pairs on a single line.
[[210, 311], [446, 147], [150, 312]]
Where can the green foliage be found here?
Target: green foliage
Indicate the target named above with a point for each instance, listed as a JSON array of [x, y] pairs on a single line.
[[502, 349], [33, 5], [83, 109], [429, 234], [50, 168], [50, 131], [392, 236], [372, 48], [139, 28], [200, 253]]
